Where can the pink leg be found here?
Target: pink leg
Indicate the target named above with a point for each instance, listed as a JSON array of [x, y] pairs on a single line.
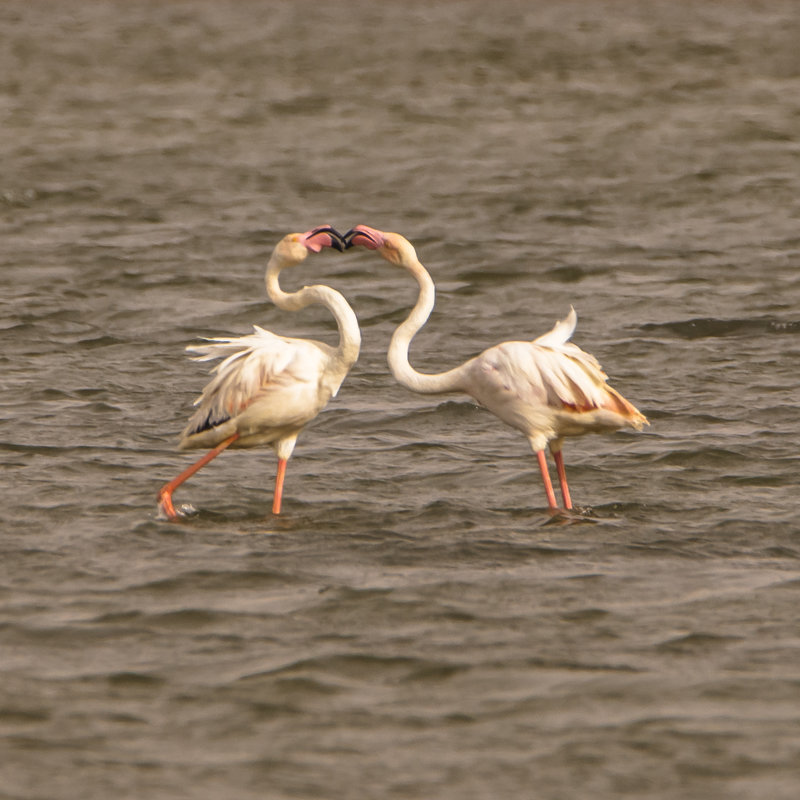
[[548, 486], [276, 500], [165, 495], [562, 479]]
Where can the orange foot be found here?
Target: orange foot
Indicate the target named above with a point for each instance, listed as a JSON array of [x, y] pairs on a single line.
[[165, 504]]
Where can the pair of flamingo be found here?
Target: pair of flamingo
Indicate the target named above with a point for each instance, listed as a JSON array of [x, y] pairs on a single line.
[[268, 388]]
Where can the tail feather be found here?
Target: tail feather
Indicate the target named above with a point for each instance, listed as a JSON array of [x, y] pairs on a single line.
[[561, 332], [625, 408]]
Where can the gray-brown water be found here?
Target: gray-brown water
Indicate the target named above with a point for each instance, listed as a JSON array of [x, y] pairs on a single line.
[[412, 626]]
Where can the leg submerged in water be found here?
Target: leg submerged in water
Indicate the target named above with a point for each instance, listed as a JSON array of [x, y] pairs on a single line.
[[562, 479], [548, 486], [165, 495]]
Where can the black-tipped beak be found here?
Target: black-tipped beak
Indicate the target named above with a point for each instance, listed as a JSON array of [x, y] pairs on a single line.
[[351, 236], [336, 239], [348, 238]]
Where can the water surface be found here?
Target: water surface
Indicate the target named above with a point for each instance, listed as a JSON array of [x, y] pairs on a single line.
[[413, 625]]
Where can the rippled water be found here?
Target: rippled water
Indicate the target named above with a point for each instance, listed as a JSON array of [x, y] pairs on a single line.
[[412, 626]]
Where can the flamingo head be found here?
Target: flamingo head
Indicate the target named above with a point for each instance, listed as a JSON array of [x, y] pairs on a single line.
[[396, 249], [294, 247], [322, 236]]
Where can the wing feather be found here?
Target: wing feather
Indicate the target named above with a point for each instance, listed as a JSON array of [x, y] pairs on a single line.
[[538, 386], [549, 370], [252, 366]]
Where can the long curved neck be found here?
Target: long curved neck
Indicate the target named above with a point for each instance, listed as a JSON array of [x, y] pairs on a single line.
[[401, 339], [346, 320]]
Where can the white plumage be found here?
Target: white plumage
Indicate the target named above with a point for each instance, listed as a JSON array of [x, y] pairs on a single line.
[[262, 377]]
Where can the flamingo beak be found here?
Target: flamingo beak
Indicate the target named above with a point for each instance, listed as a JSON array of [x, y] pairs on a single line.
[[324, 236], [364, 236]]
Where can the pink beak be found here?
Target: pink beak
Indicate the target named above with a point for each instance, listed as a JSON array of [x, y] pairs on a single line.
[[323, 236], [364, 236]]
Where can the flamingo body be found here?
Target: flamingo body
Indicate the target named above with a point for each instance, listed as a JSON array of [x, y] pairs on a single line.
[[267, 389], [548, 388]]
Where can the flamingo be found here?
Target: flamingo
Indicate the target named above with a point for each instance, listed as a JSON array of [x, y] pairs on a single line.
[[548, 388], [268, 387]]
